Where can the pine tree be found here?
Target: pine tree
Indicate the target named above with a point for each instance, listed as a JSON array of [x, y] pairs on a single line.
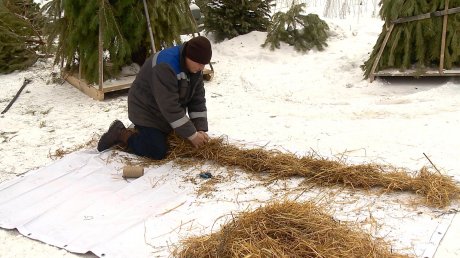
[[169, 19], [301, 31], [74, 25], [20, 34], [227, 19], [416, 44]]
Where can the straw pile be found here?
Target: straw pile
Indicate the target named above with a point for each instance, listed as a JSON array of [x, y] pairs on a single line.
[[438, 190], [287, 229]]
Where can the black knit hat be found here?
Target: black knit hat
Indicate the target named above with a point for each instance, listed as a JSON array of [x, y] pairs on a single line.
[[199, 50]]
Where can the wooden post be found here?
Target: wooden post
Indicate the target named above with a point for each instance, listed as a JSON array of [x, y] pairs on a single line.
[[80, 67], [150, 27], [100, 47], [377, 59], [443, 39], [209, 75], [194, 24]]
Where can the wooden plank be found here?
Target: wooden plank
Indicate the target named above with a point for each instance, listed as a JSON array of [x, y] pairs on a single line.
[[377, 59], [84, 87], [101, 46], [108, 86], [426, 15], [415, 73], [443, 39], [119, 84], [118, 87], [412, 18]]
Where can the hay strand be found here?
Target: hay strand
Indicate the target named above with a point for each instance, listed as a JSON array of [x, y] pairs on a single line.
[[438, 190]]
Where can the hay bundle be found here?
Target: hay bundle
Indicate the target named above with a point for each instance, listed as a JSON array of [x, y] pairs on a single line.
[[437, 189], [287, 229]]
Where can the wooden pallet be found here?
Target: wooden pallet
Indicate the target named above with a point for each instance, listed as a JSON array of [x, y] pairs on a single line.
[[415, 73], [97, 92], [440, 71]]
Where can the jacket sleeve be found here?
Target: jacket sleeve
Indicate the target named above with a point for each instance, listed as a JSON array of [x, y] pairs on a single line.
[[197, 108], [165, 90]]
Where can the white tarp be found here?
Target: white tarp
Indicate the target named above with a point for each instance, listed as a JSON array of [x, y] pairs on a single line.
[[81, 203]]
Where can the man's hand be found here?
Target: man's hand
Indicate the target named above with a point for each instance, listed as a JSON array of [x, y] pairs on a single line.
[[199, 139]]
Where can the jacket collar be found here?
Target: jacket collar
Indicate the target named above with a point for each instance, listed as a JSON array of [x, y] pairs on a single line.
[[182, 58]]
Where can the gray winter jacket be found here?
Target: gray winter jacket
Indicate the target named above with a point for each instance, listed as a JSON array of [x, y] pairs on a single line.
[[166, 96]]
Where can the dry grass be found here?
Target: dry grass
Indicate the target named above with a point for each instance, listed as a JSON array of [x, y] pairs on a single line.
[[59, 153], [285, 229], [438, 190], [208, 187]]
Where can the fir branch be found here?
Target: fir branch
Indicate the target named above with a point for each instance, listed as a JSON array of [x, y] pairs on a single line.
[[284, 27]]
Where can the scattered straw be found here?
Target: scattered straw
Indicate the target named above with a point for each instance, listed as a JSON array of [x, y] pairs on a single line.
[[438, 190], [59, 153], [286, 229], [208, 187]]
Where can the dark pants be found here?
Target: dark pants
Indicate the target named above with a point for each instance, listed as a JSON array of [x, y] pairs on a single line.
[[148, 142]]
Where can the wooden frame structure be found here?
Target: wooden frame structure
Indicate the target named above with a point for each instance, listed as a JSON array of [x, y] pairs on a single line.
[[441, 71], [97, 92]]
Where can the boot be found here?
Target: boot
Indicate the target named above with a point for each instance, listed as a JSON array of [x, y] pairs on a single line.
[[116, 135]]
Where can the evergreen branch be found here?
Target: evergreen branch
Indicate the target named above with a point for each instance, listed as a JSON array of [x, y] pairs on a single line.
[[6, 27], [112, 17]]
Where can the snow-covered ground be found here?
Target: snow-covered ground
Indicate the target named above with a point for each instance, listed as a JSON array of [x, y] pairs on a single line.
[[295, 102]]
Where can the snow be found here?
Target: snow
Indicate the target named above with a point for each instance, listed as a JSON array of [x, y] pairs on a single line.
[[302, 103]]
